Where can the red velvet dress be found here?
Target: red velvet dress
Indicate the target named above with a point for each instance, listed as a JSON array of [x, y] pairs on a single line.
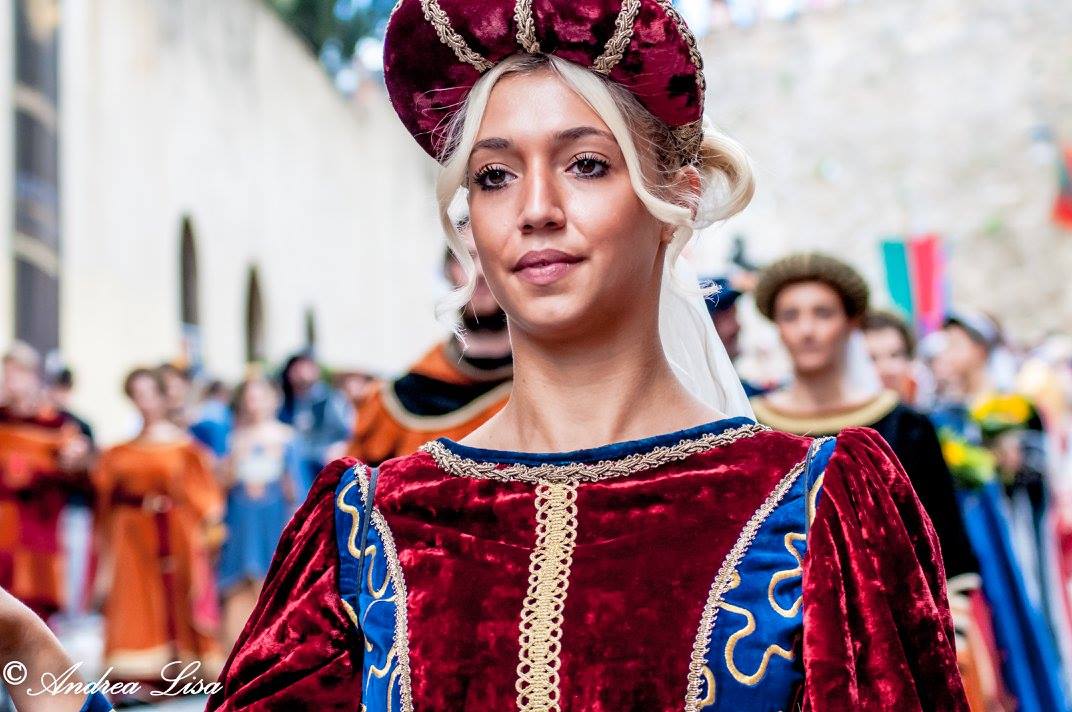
[[725, 567]]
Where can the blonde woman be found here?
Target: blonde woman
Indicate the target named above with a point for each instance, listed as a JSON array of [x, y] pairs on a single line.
[[621, 535]]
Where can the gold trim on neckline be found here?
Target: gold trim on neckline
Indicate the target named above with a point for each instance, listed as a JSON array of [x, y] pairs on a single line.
[[459, 466], [826, 424]]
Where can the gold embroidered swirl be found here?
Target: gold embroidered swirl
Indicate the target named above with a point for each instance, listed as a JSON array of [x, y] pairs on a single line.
[[786, 575], [458, 466], [750, 679], [542, 613], [723, 581]]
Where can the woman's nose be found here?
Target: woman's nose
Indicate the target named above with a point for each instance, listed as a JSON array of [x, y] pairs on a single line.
[[542, 207]]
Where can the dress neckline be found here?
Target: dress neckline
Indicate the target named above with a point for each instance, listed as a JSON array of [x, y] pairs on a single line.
[[588, 464]]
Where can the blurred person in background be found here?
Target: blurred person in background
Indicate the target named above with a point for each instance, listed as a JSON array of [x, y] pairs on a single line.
[[453, 389], [355, 385], [892, 347], [321, 416], [208, 421], [722, 307], [59, 394], [995, 444], [213, 421], [818, 304], [159, 511], [76, 521], [261, 476], [44, 459]]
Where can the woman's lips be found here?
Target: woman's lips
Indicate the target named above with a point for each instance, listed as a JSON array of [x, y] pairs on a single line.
[[544, 267]]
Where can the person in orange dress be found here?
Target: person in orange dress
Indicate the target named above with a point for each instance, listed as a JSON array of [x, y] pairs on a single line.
[[159, 508], [43, 460], [451, 391]]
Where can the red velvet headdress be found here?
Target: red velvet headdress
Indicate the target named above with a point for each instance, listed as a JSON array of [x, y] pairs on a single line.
[[436, 50]]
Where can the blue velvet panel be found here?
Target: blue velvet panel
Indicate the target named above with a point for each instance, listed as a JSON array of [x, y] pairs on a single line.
[[754, 658], [366, 586]]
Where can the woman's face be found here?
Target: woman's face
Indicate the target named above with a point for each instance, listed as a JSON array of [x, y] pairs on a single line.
[[148, 398], [813, 325], [258, 401], [566, 245], [889, 352], [962, 354]]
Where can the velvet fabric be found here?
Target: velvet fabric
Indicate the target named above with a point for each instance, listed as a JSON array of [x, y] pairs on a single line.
[[877, 634], [427, 81], [298, 650], [877, 630], [638, 581]]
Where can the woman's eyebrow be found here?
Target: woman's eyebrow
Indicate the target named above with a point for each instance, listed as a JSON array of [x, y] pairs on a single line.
[[579, 132], [492, 144]]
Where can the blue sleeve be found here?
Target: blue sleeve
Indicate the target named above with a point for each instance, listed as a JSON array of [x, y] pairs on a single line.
[[97, 702]]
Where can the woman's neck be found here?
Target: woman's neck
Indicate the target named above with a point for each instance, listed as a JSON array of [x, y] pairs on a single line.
[[817, 391], [576, 394]]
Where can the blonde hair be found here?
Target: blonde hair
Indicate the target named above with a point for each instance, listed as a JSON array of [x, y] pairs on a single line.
[[653, 162]]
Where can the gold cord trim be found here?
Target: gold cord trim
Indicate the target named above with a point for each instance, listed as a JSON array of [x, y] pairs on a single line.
[[619, 41], [458, 466], [542, 613], [400, 649], [447, 35], [723, 582], [526, 27]]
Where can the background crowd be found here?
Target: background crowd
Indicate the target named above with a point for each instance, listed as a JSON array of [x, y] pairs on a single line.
[[170, 534]]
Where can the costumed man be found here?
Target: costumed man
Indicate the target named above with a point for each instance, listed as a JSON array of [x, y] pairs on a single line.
[[722, 306], [994, 442], [450, 391], [817, 303], [44, 458]]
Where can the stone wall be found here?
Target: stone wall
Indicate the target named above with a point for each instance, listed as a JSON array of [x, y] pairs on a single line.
[[900, 117]]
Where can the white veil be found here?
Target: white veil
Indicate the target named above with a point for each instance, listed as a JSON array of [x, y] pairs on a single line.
[[693, 348]]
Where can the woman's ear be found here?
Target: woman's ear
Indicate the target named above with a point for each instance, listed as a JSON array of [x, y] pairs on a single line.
[[687, 188]]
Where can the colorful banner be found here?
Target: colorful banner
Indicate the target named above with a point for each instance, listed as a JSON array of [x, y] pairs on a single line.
[[928, 282], [1062, 206], [898, 276], [915, 279]]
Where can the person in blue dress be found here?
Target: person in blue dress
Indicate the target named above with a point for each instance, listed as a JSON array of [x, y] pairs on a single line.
[[262, 473]]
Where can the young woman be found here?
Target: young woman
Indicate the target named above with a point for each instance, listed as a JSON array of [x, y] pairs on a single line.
[[619, 536], [261, 474], [818, 304], [159, 509]]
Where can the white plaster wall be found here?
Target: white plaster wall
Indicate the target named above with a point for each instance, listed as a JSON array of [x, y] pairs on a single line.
[[214, 110]]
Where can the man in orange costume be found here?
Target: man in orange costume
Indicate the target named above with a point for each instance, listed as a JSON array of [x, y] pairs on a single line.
[[449, 392]]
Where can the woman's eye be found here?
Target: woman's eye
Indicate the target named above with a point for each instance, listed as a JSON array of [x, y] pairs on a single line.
[[492, 178], [589, 167]]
